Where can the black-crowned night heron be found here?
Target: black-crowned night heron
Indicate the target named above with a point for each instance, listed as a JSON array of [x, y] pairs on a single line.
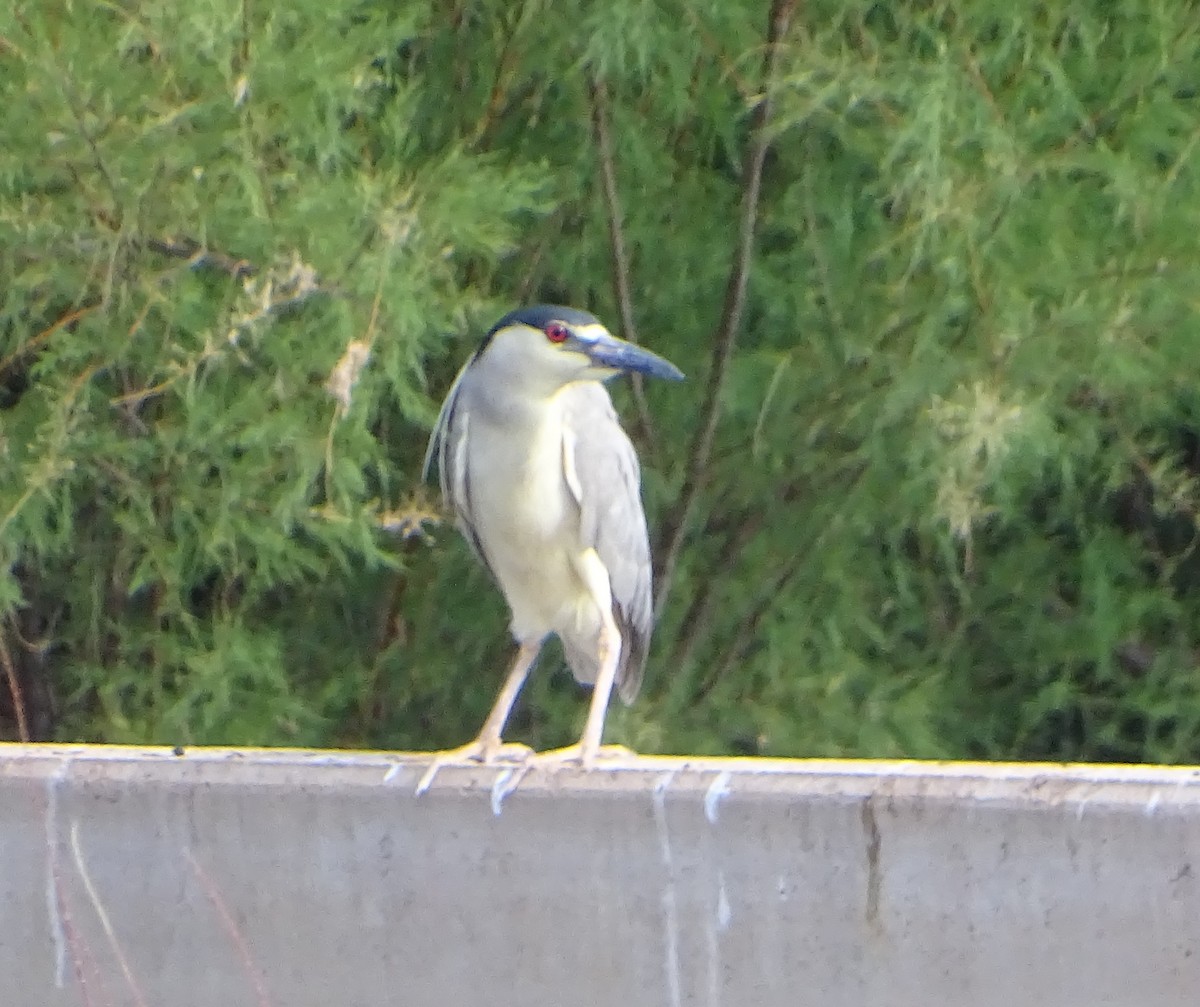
[[545, 486]]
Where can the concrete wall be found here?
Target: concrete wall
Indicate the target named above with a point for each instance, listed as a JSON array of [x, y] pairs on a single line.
[[221, 878]]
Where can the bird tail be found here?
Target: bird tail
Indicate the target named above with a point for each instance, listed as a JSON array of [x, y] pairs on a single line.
[[631, 665], [631, 668]]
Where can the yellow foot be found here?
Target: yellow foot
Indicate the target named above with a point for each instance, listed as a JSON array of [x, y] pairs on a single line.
[[586, 759], [479, 751]]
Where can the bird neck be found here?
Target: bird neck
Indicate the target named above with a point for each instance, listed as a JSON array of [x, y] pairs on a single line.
[[521, 408]]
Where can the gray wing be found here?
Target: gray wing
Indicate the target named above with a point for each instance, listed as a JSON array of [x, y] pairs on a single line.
[[448, 442], [607, 488]]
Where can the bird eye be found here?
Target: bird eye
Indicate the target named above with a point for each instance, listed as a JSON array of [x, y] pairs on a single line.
[[556, 332]]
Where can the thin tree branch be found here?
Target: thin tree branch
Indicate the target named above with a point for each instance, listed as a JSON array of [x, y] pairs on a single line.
[[698, 617], [752, 618], [546, 234], [502, 77], [750, 624], [739, 534], [25, 348], [713, 43], [199, 255], [182, 247], [616, 239], [674, 528], [14, 689]]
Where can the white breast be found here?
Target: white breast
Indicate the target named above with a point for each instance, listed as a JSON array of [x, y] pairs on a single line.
[[526, 518]]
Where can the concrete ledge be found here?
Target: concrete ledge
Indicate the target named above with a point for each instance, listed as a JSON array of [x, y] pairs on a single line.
[[292, 879]]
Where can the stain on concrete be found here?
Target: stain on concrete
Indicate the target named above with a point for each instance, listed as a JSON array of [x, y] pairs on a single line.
[[874, 843]]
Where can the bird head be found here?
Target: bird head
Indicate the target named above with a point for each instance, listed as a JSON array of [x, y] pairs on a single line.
[[549, 346]]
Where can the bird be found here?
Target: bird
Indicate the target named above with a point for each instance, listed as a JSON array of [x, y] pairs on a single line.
[[545, 486]]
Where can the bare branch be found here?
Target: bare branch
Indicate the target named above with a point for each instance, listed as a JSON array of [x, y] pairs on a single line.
[[750, 624], [199, 255], [62, 322], [502, 77], [751, 620], [674, 528], [698, 618], [739, 533], [14, 689], [181, 247], [616, 238], [545, 236]]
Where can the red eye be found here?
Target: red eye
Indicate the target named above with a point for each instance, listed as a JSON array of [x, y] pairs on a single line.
[[556, 332]]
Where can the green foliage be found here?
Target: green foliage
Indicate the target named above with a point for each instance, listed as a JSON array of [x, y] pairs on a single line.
[[951, 509]]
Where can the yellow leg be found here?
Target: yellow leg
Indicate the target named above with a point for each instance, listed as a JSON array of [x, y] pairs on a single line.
[[589, 750], [489, 747]]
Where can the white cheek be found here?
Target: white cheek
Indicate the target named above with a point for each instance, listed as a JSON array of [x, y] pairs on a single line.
[[528, 359]]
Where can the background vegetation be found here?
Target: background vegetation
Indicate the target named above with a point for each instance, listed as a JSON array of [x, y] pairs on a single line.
[[929, 491]]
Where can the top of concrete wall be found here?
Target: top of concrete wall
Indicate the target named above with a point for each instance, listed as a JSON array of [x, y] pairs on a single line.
[[289, 878]]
